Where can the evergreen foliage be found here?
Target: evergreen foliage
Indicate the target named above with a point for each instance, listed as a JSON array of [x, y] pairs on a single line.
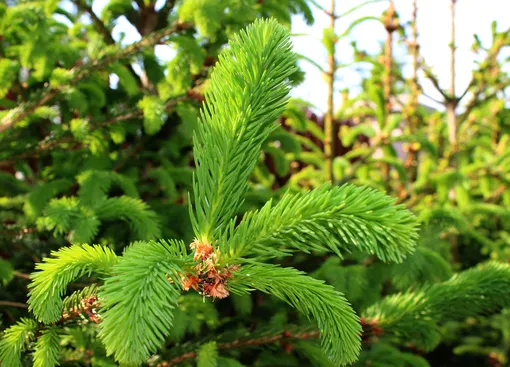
[[139, 299], [476, 290], [102, 142], [15, 341], [246, 94], [327, 219], [56, 273], [139, 296], [340, 329]]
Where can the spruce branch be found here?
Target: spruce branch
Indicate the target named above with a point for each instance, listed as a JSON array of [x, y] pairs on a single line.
[[54, 274], [416, 315], [339, 325], [80, 72], [15, 341], [47, 348], [247, 92], [325, 219], [138, 301]]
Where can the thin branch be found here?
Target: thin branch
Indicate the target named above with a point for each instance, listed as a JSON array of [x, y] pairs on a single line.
[[470, 85], [432, 98], [482, 85], [164, 12], [13, 304], [370, 328], [434, 80], [311, 61], [329, 13], [240, 343], [103, 30], [22, 275], [359, 7], [329, 122], [98, 23], [475, 102]]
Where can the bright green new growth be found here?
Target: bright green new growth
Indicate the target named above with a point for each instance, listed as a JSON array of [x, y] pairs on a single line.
[[47, 348], [56, 273], [15, 340], [339, 325], [82, 215], [416, 315], [207, 356], [247, 92], [140, 297], [326, 219]]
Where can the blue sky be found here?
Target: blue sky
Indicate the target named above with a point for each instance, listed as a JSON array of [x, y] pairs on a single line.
[[473, 16]]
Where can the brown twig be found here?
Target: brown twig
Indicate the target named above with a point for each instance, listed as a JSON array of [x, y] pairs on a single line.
[[22, 275], [391, 25], [240, 343], [370, 328], [435, 81], [13, 304], [329, 122], [98, 23], [87, 306]]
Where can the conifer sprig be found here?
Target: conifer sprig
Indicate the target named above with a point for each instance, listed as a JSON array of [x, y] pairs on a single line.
[[15, 340], [326, 219], [247, 92], [416, 315], [339, 325], [49, 283], [47, 348], [140, 297]]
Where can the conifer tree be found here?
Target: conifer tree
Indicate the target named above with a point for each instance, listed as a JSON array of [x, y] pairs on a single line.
[[254, 276], [247, 92]]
